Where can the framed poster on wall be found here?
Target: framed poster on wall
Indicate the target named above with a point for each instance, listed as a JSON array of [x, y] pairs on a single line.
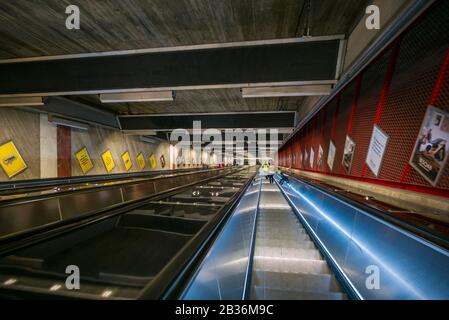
[[162, 158], [127, 161], [376, 150], [306, 157], [153, 162], [320, 157], [312, 157], [431, 149], [108, 160], [331, 155], [11, 160], [84, 160], [348, 154], [141, 161]]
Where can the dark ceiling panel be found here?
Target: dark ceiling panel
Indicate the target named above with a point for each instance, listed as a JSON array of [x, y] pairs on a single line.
[[37, 28], [218, 121], [272, 63]]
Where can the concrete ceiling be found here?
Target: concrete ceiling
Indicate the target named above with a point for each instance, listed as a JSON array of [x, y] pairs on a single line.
[[37, 28], [199, 101]]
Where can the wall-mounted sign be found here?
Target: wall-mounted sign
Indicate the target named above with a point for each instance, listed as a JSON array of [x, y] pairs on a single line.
[[11, 160], [376, 150], [312, 157], [141, 161], [127, 161], [84, 160], [306, 157], [108, 160], [320, 157], [331, 155], [348, 154], [431, 150], [300, 158], [153, 162], [162, 158]]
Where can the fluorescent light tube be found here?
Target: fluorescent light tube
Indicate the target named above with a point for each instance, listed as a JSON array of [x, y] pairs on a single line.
[[21, 102], [137, 96]]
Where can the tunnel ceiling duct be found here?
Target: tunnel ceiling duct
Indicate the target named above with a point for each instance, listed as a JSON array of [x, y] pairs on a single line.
[[298, 61], [73, 110], [169, 122]]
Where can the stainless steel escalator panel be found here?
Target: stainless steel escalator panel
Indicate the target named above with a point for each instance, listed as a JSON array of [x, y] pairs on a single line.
[[409, 267], [222, 274]]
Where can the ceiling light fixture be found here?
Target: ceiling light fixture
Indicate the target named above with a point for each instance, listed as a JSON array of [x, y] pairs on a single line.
[[137, 96], [287, 91], [21, 102]]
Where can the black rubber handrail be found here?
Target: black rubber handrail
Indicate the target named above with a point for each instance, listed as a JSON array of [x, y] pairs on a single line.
[[252, 249], [46, 232], [52, 182]]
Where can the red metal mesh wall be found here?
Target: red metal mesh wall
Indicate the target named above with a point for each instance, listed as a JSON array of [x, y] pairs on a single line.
[[393, 92]]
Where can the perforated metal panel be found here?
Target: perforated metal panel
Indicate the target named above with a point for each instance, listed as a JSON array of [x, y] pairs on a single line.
[[394, 93]]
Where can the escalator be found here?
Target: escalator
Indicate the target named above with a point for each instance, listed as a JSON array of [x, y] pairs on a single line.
[[298, 241], [286, 264], [135, 252]]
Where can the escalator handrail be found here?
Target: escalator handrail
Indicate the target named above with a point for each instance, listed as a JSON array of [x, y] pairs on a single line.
[[380, 214], [249, 269], [51, 182], [28, 238]]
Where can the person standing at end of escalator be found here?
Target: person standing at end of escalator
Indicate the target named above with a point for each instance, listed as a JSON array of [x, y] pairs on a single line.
[[271, 172]]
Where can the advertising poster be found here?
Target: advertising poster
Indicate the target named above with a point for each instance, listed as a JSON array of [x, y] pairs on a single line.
[[162, 159], [331, 155], [127, 161], [312, 157], [141, 161], [301, 158], [320, 157], [11, 160], [153, 162], [108, 160], [348, 154], [431, 150], [84, 160], [376, 150]]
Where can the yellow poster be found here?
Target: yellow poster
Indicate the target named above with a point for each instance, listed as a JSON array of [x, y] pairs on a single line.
[[84, 160], [108, 160], [11, 160], [153, 162], [141, 161], [127, 161]]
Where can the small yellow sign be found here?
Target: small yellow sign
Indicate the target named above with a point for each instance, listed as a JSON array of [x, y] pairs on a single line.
[[108, 160], [84, 160], [141, 161], [127, 161], [11, 160], [153, 162]]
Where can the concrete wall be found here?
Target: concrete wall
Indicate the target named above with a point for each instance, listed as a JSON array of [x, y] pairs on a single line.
[[98, 140], [361, 38], [36, 140]]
